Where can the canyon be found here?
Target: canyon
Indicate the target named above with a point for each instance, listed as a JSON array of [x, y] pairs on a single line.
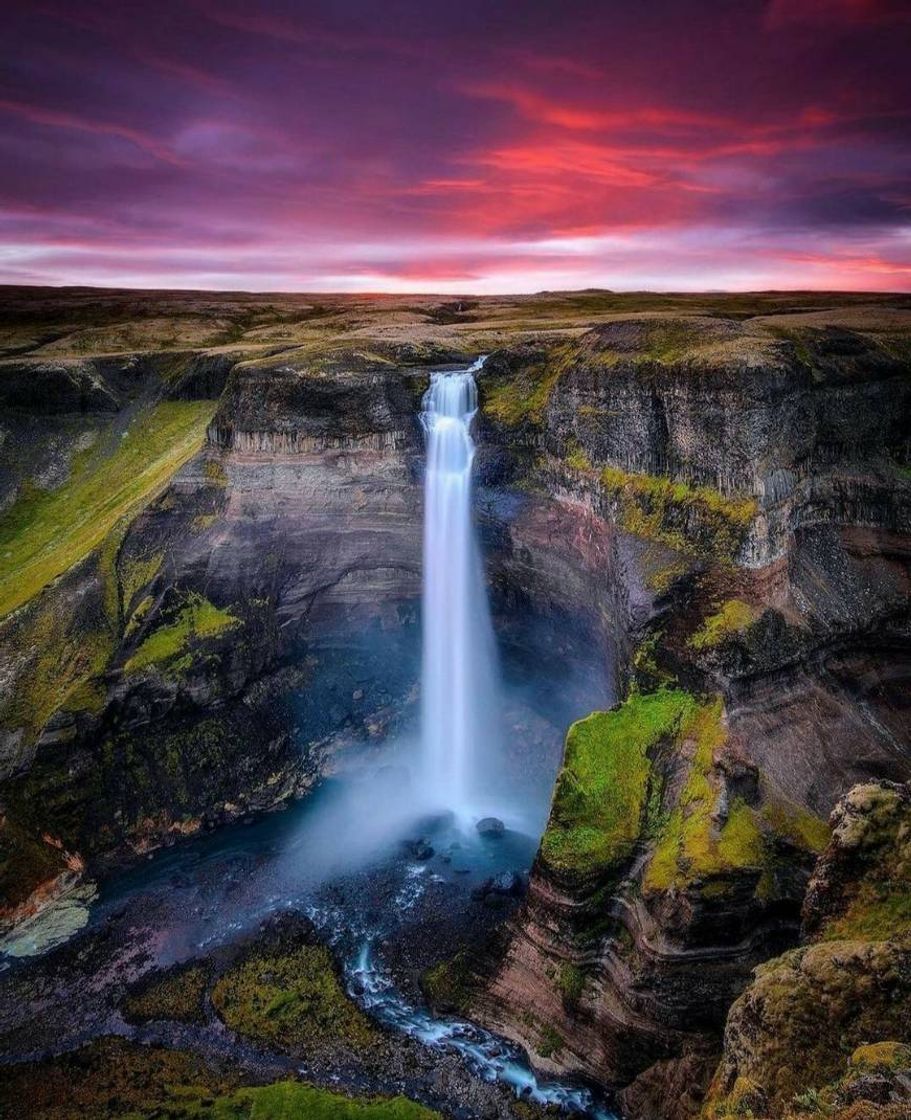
[[695, 518]]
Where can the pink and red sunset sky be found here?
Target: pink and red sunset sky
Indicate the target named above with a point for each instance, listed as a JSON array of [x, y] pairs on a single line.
[[462, 146]]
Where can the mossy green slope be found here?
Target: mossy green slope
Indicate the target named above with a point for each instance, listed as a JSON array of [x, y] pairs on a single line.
[[840, 1004], [524, 396], [689, 846], [791, 1033], [46, 532], [66, 650], [176, 995], [602, 790], [290, 1100], [875, 903], [732, 617]]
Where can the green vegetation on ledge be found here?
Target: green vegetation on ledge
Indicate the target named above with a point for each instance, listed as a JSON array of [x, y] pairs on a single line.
[[290, 1100], [734, 617], [292, 1000], [693, 848], [449, 984], [66, 651], [524, 395], [46, 532], [169, 646], [176, 995], [602, 791], [689, 846], [876, 904], [687, 518], [835, 1006]]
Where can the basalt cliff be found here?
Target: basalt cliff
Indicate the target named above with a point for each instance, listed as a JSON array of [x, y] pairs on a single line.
[[209, 598]]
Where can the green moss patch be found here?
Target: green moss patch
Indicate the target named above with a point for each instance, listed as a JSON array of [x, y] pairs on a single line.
[[292, 1000], [215, 473], [571, 982], [602, 791], [46, 532], [734, 617], [170, 646], [690, 846], [115, 1078], [881, 909], [523, 396], [576, 458], [696, 851], [795, 824], [175, 995], [875, 902], [687, 518], [661, 579], [882, 1056], [551, 1043], [137, 573], [66, 643], [449, 984], [791, 1033], [290, 1100]]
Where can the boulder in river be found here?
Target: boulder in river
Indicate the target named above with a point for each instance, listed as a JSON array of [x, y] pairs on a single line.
[[490, 826], [419, 849], [510, 883]]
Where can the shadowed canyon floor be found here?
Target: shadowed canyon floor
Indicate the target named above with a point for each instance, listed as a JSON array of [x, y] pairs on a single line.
[[695, 520]]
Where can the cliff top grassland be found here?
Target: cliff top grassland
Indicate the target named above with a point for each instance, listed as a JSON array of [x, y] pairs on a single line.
[[95, 434], [60, 323]]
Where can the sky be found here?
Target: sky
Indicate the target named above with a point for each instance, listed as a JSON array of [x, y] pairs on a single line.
[[458, 146]]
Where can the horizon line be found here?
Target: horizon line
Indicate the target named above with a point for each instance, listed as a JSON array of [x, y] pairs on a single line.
[[429, 292]]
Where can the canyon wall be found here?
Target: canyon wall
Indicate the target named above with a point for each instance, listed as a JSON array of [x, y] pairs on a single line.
[[756, 516], [719, 509]]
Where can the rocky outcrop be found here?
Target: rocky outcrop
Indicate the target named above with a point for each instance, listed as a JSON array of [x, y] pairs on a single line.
[[841, 1001], [809, 429], [346, 402]]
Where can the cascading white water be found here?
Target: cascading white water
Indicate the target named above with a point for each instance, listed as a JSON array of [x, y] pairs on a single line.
[[458, 656]]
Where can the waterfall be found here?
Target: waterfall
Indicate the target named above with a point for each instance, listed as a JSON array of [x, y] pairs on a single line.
[[459, 665]]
